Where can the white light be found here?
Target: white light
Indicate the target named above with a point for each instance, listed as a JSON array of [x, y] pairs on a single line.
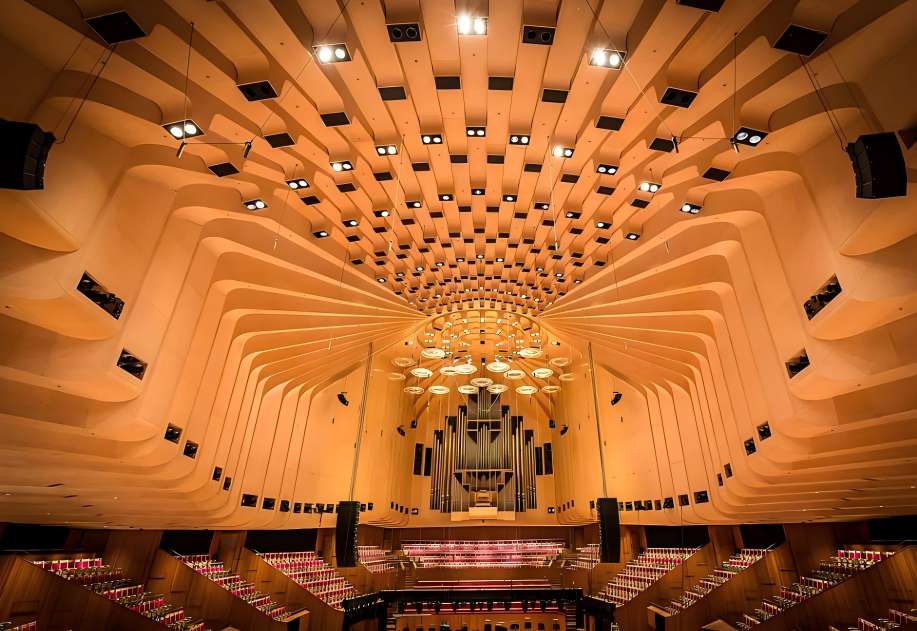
[[514, 138], [303, 183], [525, 140], [347, 166], [480, 132], [614, 60], [644, 186], [384, 213], [260, 204], [602, 169], [336, 166], [250, 206], [426, 140], [324, 54], [176, 131], [190, 129], [380, 151], [686, 208], [599, 57], [480, 26], [755, 139], [464, 24], [742, 135], [470, 132], [437, 139], [340, 53], [392, 150], [416, 204], [568, 152], [294, 185], [654, 188], [558, 152]]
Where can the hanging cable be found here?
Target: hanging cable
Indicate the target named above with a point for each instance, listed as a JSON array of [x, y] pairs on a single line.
[[102, 63]]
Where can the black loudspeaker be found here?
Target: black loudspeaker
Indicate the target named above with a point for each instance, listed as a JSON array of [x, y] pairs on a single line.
[[23, 153], [609, 530], [878, 165], [345, 534]]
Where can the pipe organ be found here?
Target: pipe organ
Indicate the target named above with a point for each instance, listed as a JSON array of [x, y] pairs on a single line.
[[483, 457]]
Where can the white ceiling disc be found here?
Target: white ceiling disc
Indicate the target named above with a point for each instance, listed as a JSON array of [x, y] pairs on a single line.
[[526, 389], [448, 371], [560, 362], [567, 376], [403, 362], [497, 388], [530, 352], [481, 382], [515, 373], [468, 389], [497, 366], [541, 373], [433, 353], [438, 389], [466, 369], [396, 376], [422, 373], [414, 390], [550, 389]]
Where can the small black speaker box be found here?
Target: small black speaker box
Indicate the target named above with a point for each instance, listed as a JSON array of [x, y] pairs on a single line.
[[609, 530], [23, 153], [345, 533], [878, 165]]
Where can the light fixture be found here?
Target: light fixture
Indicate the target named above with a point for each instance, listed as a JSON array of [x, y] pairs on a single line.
[[471, 25], [480, 257], [381, 213], [431, 139], [342, 398], [690, 209], [542, 205], [616, 397], [381, 279], [255, 204], [475, 132], [351, 223], [445, 197], [572, 214], [400, 430], [650, 187], [477, 191], [519, 139], [607, 58], [413, 204], [564, 429], [331, 53], [608, 169], [603, 224], [632, 236], [386, 150], [183, 129], [320, 234], [342, 165], [460, 259], [297, 183], [750, 137], [499, 259], [439, 263], [562, 152], [509, 198]]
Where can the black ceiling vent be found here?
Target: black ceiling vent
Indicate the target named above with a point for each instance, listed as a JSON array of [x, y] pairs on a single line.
[[458, 158], [190, 450], [662, 144], [554, 96], [421, 166], [569, 178], [640, 203], [605, 190], [797, 364], [335, 119], [704, 5], [678, 97], [407, 32], [115, 27], [448, 83], [612, 123], [283, 139], [716, 174], [310, 200], [393, 93], [542, 35], [223, 169], [173, 433], [800, 40], [500, 83], [494, 159], [249, 500], [257, 90], [531, 167], [131, 364], [347, 187], [382, 176]]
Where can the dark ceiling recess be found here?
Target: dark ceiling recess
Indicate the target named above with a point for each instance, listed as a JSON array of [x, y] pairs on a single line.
[[554, 96], [800, 40], [612, 123], [704, 5], [257, 90], [406, 32], [448, 83], [282, 139], [678, 97], [500, 83], [116, 27], [223, 169], [393, 93], [543, 35], [335, 119]]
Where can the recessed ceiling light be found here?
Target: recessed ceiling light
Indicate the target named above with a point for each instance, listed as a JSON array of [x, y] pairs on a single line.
[[602, 224], [460, 259], [381, 213], [509, 198], [331, 53], [386, 150], [477, 191], [439, 263], [562, 152], [632, 236], [351, 223], [255, 204], [572, 214], [606, 169], [542, 205], [413, 204], [650, 187], [519, 139], [445, 197], [480, 257], [499, 259], [183, 129], [431, 139], [750, 137], [475, 132], [342, 165], [419, 268], [607, 58], [691, 209], [320, 234], [297, 183], [471, 24], [380, 279]]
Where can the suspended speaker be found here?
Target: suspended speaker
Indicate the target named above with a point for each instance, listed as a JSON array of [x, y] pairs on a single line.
[[878, 165], [609, 530], [23, 153], [345, 534]]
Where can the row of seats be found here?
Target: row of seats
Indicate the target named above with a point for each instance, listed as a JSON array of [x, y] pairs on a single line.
[[311, 572], [377, 560], [506, 553], [830, 572], [484, 584], [233, 583], [25, 626], [893, 620], [585, 558], [738, 562], [642, 571], [95, 575]]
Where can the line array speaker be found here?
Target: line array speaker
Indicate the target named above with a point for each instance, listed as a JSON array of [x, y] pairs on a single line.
[[879, 166], [345, 533], [23, 154], [609, 530]]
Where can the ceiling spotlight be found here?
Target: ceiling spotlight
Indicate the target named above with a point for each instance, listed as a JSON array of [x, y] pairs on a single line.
[[477, 191], [509, 198], [331, 53], [320, 234], [564, 429], [381, 279], [518, 139], [183, 129], [572, 214], [603, 224], [381, 213], [499, 259], [606, 169], [413, 204], [542, 205], [607, 58], [650, 187], [419, 268], [616, 397], [460, 259], [632, 236], [471, 25], [445, 197], [342, 397], [432, 139], [476, 132], [562, 152], [255, 204], [351, 223], [479, 257], [342, 165], [401, 432], [750, 137], [297, 183], [386, 150], [577, 281], [690, 209], [246, 149], [439, 263]]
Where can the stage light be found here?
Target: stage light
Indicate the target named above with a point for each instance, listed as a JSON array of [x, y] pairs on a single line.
[[432, 139], [381, 213], [351, 223], [246, 149], [607, 58], [181, 150], [518, 139], [471, 25], [413, 204], [562, 152], [509, 198], [342, 398], [572, 214], [690, 209], [255, 204], [380, 279], [499, 259], [331, 53], [387, 150], [342, 165], [183, 129], [542, 206], [320, 234], [616, 397], [476, 132], [445, 197], [297, 183], [632, 236], [477, 192], [750, 137], [603, 224], [650, 187], [606, 169]]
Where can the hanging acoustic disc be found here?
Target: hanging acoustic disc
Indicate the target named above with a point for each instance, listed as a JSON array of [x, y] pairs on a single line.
[[497, 366], [421, 372], [438, 389], [481, 382], [530, 352], [466, 369], [515, 373], [403, 362], [526, 389], [396, 376], [468, 389], [414, 390], [497, 388], [560, 362], [448, 371], [551, 389], [433, 353], [542, 373], [567, 376]]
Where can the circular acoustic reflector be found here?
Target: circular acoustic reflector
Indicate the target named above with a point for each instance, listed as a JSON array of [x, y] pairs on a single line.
[[396, 376], [466, 369], [481, 382], [421, 372], [438, 389], [497, 388], [560, 362], [433, 353], [538, 373], [403, 362], [468, 389], [414, 390], [567, 376], [515, 373], [530, 352], [497, 366], [526, 389], [448, 371], [548, 389]]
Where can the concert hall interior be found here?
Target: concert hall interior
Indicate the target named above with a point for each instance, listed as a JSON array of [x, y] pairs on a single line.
[[458, 315]]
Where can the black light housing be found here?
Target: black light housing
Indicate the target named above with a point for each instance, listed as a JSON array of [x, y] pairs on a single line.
[[431, 139], [616, 397], [342, 398], [331, 53]]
